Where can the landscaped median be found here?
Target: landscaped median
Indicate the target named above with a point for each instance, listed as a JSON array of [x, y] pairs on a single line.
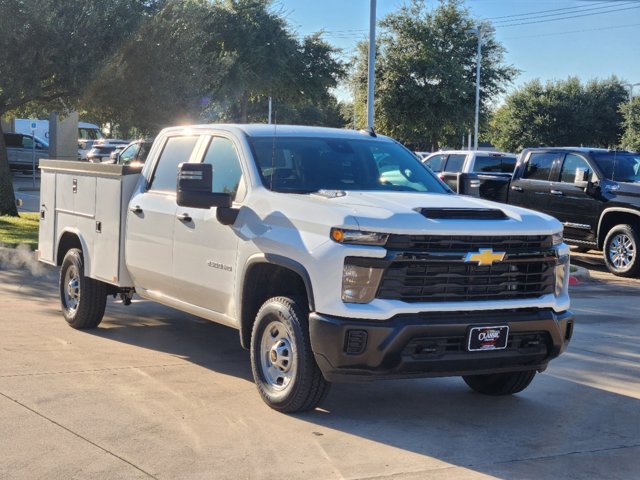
[[22, 230]]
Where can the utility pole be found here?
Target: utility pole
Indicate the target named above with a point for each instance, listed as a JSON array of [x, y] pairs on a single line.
[[372, 63], [630, 86], [269, 110], [479, 30]]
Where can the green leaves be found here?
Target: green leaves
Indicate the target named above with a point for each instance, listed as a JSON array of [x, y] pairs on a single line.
[[425, 74], [631, 114], [561, 113]]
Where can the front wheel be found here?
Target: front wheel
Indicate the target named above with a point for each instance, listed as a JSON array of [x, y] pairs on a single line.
[[621, 251], [284, 369], [83, 299], [500, 383]]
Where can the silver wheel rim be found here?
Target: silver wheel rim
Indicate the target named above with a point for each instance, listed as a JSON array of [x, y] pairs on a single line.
[[277, 357], [622, 251], [71, 292]]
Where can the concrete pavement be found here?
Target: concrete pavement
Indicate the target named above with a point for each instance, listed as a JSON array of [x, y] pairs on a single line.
[[155, 393]]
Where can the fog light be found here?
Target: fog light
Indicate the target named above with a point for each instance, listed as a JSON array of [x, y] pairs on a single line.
[[360, 284]]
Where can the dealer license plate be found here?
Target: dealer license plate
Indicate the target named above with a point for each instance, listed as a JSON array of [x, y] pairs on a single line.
[[487, 338]]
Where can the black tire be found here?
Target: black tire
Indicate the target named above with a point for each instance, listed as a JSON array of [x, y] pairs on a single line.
[[283, 365], [83, 299], [621, 251], [500, 383]]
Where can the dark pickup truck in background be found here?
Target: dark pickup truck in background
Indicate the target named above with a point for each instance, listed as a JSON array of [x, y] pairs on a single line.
[[595, 193]]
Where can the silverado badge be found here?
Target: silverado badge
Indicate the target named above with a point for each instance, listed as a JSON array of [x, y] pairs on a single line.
[[484, 256]]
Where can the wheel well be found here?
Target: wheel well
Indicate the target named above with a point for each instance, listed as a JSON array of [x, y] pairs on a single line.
[[264, 281], [610, 220], [67, 242]]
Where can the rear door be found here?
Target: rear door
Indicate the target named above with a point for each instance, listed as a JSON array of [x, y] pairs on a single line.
[[577, 210], [532, 187], [151, 218]]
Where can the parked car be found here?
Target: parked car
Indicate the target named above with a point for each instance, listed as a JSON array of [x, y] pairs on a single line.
[[595, 193], [20, 150], [133, 154], [448, 164], [102, 149]]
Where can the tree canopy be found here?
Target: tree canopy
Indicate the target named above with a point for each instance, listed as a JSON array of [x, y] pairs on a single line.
[[49, 51], [426, 74], [631, 123], [561, 113]]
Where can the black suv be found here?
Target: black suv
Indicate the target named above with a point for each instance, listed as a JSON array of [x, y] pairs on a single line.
[[595, 193]]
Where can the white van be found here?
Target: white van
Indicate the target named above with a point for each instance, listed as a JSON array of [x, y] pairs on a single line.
[[87, 133]]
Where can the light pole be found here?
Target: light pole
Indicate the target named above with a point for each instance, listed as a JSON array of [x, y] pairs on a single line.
[[630, 86], [372, 63], [479, 30]]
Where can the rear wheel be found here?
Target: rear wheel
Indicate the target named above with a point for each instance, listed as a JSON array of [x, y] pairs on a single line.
[[500, 383], [621, 251], [283, 365], [83, 299]]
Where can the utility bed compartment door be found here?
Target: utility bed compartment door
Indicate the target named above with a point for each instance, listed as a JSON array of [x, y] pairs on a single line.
[[47, 230]]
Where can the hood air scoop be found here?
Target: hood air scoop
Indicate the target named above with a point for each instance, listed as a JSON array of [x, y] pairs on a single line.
[[463, 213]]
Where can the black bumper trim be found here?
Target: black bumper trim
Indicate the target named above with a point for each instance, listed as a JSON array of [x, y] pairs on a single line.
[[536, 337]]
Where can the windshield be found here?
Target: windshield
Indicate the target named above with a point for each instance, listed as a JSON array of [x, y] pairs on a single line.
[[304, 165], [619, 166]]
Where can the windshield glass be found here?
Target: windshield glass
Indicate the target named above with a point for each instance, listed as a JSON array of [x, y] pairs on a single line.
[[619, 166], [304, 165]]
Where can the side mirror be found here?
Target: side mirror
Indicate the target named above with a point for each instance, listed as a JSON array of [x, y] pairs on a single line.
[[195, 181], [582, 178]]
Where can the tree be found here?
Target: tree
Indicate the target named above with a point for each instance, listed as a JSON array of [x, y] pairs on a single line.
[[262, 58], [426, 74], [159, 76], [631, 114], [48, 52], [560, 113]]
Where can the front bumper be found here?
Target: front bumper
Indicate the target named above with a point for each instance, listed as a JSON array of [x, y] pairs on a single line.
[[434, 344]]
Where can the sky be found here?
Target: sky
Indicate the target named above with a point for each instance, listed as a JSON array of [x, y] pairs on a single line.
[[545, 39]]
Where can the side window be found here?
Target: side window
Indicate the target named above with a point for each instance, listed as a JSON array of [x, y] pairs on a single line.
[[177, 150], [128, 154], [227, 173], [27, 142], [494, 164], [436, 163], [569, 166], [455, 163], [539, 166]]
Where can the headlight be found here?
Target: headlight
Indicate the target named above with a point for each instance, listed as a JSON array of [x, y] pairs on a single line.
[[360, 284], [557, 238], [358, 237]]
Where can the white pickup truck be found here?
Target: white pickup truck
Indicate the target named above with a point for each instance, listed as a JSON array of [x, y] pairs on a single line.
[[336, 254]]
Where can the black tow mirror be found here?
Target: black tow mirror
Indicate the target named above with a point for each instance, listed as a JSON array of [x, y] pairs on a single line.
[[582, 178], [195, 181]]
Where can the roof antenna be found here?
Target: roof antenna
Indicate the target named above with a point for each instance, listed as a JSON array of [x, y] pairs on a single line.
[[369, 131]]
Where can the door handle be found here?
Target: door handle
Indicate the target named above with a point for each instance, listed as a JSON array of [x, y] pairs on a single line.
[[184, 217], [556, 192], [137, 209], [516, 188]]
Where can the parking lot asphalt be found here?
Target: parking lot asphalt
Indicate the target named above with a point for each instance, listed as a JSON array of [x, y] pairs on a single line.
[[155, 393]]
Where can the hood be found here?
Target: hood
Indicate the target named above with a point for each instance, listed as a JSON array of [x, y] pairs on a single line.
[[400, 212]]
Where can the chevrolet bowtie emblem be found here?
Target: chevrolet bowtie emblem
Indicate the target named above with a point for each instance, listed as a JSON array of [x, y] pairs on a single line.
[[484, 256]]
